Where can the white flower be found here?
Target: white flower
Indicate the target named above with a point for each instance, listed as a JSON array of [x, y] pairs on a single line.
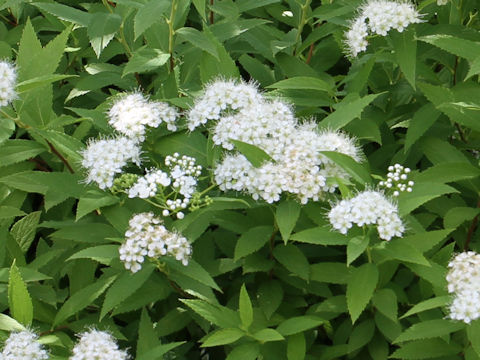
[[132, 113], [465, 306], [378, 17], [147, 186], [8, 80], [367, 208], [23, 345], [105, 158], [464, 272], [97, 345], [184, 173], [146, 237], [397, 179]]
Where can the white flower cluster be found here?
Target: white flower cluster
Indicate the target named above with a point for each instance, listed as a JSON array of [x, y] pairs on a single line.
[[397, 180], [367, 208], [8, 80], [97, 345], [146, 237], [147, 186], [184, 173], [298, 167], [104, 158], [23, 345], [379, 17], [132, 113], [464, 282]]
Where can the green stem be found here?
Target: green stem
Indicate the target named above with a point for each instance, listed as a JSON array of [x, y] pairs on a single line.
[[303, 21], [208, 189], [121, 33], [171, 33]]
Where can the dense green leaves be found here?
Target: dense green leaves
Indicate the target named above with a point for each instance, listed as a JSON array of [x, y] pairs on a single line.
[[360, 287], [19, 299]]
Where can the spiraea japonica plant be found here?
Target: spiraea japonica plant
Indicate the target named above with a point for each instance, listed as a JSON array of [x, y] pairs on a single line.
[[240, 180]]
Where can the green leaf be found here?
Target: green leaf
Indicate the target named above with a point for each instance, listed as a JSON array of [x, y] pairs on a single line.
[[149, 14], [147, 338], [405, 47], [7, 127], [248, 351], [23, 231], [360, 287], [145, 60], [302, 83], [39, 81], [426, 349], [245, 308], [14, 151], [252, 240], [102, 27], [296, 347], [267, 335], [403, 251], [385, 300], [353, 168], [254, 154], [222, 337], [298, 324], [355, 247], [346, 112], [329, 272], [361, 335], [198, 39], [94, 200], [193, 270], [8, 212], [216, 314], [82, 298], [422, 192], [19, 300], [467, 49], [473, 333], [429, 304], [270, 296], [66, 13], [421, 121], [435, 274], [201, 8], [430, 329], [458, 215], [104, 254], [293, 259], [321, 235], [191, 144], [9, 324], [448, 172], [286, 217], [159, 351]]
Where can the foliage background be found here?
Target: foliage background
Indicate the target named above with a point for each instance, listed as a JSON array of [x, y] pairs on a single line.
[[267, 281]]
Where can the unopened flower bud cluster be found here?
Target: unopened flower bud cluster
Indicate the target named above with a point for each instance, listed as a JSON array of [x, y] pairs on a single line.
[[23, 345], [463, 280], [8, 81], [397, 180], [378, 17], [242, 113], [146, 237], [132, 113], [367, 208]]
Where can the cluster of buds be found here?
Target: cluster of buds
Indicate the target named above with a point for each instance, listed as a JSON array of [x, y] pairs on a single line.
[[397, 180]]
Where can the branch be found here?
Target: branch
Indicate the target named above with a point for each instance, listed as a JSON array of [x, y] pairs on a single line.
[[60, 156]]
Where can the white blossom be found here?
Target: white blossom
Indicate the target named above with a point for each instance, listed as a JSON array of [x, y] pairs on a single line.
[[397, 180], [367, 208], [147, 186], [97, 345], [130, 114], [8, 81], [23, 345], [146, 237], [104, 158]]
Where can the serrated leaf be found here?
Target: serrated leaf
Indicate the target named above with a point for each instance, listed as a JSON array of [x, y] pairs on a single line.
[[358, 171], [293, 259], [93, 200], [145, 60], [286, 217], [422, 192], [473, 333], [222, 337], [429, 304], [385, 300], [404, 251], [430, 329], [361, 335], [7, 212], [251, 241], [426, 349], [193, 270], [267, 335], [10, 324], [329, 272], [198, 39], [216, 314], [14, 151], [19, 300], [297, 324], [39, 81], [253, 154], [467, 49], [147, 338], [321, 235], [360, 287], [104, 254], [82, 298], [23, 231], [421, 121], [346, 112], [149, 14], [7, 127], [269, 297], [355, 247], [248, 351], [448, 172], [159, 351], [101, 29], [66, 13], [458, 215], [302, 83], [245, 307], [405, 46]]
